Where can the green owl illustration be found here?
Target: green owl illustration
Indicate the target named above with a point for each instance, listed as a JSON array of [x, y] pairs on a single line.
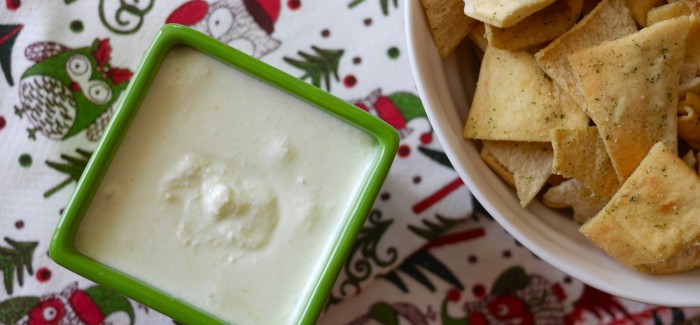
[[70, 90]]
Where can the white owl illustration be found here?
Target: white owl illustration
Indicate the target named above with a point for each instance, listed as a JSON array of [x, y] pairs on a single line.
[[244, 24]]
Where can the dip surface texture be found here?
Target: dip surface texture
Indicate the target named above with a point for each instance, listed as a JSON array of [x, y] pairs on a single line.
[[226, 192]]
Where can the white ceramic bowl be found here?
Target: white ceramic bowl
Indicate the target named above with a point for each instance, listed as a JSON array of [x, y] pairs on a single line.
[[446, 88]]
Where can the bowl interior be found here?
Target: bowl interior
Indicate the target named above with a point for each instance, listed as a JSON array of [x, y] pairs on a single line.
[[446, 88]]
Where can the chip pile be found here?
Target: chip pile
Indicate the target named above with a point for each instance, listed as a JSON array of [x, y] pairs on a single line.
[[592, 106]]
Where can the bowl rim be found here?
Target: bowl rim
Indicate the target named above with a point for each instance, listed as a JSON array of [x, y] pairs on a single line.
[[63, 251], [608, 276]]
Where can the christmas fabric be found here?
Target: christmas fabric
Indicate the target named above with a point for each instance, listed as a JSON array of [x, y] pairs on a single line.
[[428, 253]]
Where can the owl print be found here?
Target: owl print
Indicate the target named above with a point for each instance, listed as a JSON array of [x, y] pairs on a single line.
[[69, 90], [243, 24], [72, 306]]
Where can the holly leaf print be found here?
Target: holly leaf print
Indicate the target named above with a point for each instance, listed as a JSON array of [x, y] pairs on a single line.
[[318, 66], [12, 310], [511, 280], [110, 301], [437, 156], [16, 258], [102, 52], [384, 314], [119, 75]]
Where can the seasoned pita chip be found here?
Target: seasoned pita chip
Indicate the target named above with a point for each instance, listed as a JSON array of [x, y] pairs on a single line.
[[573, 194], [631, 90], [595, 170], [515, 101], [692, 100], [694, 6], [689, 120], [667, 11], [540, 27], [691, 86], [689, 126], [690, 79], [555, 180], [688, 72], [448, 24], [640, 8], [588, 6], [683, 261], [690, 159], [478, 36], [503, 13], [608, 21], [692, 49], [529, 162], [497, 167], [654, 216]]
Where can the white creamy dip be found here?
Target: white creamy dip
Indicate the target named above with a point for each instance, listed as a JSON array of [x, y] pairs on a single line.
[[225, 192]]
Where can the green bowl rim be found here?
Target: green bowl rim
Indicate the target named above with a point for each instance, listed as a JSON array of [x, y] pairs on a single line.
[[63, 251]]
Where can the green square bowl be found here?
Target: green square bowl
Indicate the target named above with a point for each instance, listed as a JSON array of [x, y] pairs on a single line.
[[385, 139]]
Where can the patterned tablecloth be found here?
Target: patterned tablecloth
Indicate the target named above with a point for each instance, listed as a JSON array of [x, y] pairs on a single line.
[[428, 254]]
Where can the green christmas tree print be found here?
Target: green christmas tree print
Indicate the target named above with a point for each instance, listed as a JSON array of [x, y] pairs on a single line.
[[73, 168], [431, 230], [14, 260], [383, 3], [417, 266], [318, 66]]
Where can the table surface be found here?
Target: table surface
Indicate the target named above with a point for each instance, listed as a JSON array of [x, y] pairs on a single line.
[[428, 253]]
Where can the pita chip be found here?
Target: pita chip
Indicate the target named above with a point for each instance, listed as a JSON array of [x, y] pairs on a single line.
[[692, 49], [515, 101], [640, 8], [538, 28], [683, 261], [595, 170], [478, 36], [690, 80], [573, 194], [503, 13], [448, 24], [529, 162], [667, 11], [690, 159], [690, 76], [652, 221], [689, 120], [497, 167], [608, 21], [631, 90], [694, 6], [588, 6]]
